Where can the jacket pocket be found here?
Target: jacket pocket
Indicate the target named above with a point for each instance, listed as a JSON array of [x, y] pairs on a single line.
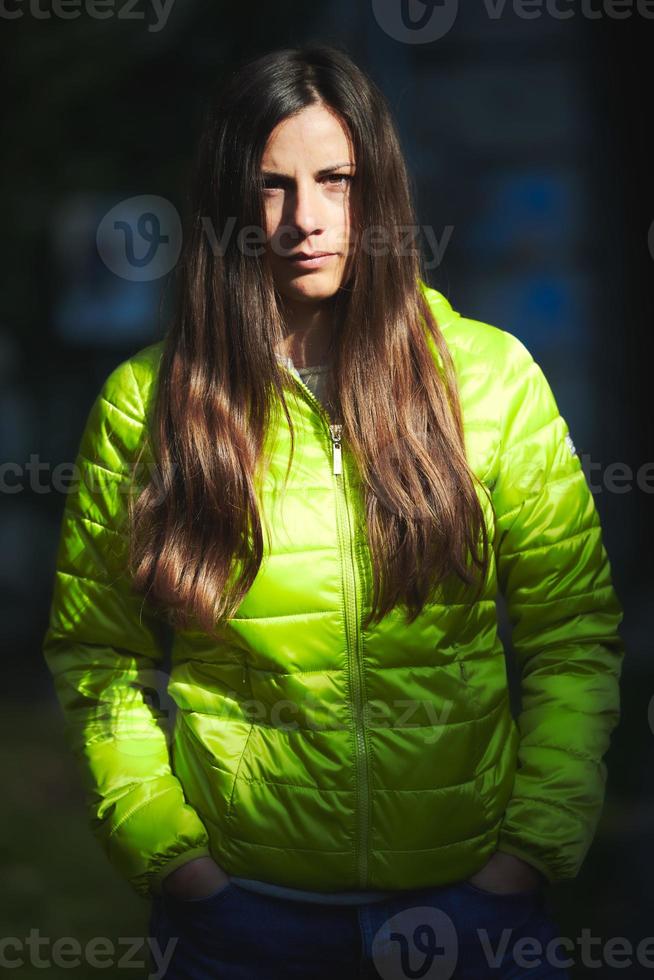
[[207, 759], [488, 714], [486, 684], [466, 673], [229, 813]]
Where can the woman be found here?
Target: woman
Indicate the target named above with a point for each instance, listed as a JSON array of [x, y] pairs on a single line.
[[321, 478]]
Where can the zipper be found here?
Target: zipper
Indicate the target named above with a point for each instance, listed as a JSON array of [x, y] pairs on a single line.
[[355, 664], [352, 631], [337, 459], [335, 428]]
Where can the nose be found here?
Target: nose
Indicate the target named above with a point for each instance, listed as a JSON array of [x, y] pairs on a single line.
[[304, 208]]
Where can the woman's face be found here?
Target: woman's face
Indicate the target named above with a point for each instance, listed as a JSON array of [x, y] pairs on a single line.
[[307, 168]]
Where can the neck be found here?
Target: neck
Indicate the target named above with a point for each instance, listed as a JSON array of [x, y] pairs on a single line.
[[309, 332]]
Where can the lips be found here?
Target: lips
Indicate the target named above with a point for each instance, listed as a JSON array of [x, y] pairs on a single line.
[[307, 261], [308, 255]]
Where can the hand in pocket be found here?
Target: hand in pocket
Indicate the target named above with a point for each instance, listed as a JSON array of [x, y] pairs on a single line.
[[507, 874], [198, 879]]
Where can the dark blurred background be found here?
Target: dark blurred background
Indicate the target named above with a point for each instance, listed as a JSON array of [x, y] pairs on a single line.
[[526, 136]]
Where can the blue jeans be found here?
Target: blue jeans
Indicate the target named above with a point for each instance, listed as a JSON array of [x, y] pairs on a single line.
[[454, 931]]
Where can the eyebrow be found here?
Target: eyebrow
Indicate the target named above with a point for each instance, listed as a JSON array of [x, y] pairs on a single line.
[[319, 173]]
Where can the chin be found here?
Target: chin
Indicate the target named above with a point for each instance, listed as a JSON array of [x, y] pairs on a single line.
[[310, 285]]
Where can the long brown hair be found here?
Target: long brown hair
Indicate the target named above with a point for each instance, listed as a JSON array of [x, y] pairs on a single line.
[[196, 537]]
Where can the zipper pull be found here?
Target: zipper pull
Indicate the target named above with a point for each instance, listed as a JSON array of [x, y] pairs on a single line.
[[335, 432]]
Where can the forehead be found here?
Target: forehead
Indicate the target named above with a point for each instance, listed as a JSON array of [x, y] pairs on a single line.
[[314, 135]]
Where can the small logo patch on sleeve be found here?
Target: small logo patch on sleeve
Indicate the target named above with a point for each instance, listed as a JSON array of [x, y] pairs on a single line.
[[570, 444]]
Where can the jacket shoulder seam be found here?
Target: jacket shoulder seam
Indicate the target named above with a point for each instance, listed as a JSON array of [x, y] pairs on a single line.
[[122, 411], [138, 390]]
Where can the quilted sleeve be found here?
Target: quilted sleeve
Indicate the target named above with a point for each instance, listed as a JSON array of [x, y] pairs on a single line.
[[554, 573], [104, 648]]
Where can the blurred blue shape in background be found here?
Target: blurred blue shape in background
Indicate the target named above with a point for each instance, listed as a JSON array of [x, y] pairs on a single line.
[[93, 306]]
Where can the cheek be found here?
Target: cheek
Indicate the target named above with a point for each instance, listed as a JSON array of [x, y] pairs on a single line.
[[339, 227], [272, 217], [269, 227]]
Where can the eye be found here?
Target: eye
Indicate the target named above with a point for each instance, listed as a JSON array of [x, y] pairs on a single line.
[[334, 179]]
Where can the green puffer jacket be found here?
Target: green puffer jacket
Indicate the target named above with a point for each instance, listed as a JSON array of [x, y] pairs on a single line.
[[312, 753]]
